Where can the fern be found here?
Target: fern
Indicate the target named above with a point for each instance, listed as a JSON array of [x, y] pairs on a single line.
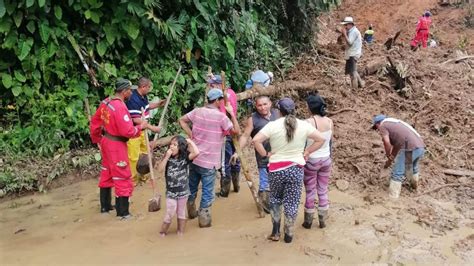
[[135, 8]]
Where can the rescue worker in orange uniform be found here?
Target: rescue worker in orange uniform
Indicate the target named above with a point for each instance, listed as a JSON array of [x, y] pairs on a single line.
[[110, 128], [422, 30]]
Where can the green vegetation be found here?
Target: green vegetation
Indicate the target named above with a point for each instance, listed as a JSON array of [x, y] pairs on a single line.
[[43, 83]]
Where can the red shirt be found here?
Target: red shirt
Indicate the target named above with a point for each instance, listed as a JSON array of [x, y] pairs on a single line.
[[232, 98], [112, 115]]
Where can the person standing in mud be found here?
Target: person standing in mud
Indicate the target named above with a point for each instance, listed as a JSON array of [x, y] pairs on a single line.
[[175, 165], [400, 141], [139, 101], [264, 114], [230, 170], [209, 127], [353, 51], [287, 136], [422, 31], [318, 166], [110, 128]]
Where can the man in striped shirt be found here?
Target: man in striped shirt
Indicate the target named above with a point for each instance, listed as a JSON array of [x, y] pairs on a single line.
[[138, 101], [209, 126]]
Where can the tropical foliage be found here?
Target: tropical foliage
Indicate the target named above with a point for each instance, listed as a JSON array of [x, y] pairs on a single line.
[[43, 83]]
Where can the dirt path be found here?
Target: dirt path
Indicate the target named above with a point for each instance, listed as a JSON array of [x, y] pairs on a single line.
[[64, 226]]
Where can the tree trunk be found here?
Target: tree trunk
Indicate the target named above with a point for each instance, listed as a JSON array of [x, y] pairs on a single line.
[[258, 90], [373, 66]]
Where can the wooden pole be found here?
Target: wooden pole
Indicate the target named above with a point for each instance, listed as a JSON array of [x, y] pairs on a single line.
[[168, 99], [209, 73], [243, 160]]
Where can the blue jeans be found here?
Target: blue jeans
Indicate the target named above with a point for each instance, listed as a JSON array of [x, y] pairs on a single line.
[[263, 179], [229, 151], [398, 171], [207, 177]]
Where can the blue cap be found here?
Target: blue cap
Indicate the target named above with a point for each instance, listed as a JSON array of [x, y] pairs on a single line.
[[377, 119], [248, 84], [216, 79], [286, 104], [214, 94]]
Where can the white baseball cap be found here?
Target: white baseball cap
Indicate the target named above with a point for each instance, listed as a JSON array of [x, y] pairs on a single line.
[[347, 20]]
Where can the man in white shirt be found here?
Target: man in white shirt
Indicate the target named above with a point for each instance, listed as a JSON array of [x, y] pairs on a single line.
[[353, 51]]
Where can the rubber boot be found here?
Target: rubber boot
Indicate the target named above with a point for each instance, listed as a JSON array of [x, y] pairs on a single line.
[[181, 226], [118, 206], [308, 220], [394, 189], [289, 229], [354, 82], [275, 211], [263, 196], [205, 219], [192, 212], [108, 197], [122, 205], [236, 181], [225, 188], [360, 82], [105, 198], [164, 229], [414, 181], [275, 235], [322, 216]]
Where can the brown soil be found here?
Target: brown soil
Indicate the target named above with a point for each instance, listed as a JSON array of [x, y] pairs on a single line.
[[63, 226]]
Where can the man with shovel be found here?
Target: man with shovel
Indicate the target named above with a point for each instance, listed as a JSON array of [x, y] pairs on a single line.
[[110, 128], [139, 101], [403, 145], [209, 127]]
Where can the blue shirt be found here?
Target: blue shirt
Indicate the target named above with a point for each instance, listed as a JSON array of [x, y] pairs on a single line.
[[135, 104]]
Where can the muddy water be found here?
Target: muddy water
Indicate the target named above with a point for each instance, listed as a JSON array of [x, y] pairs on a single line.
[[64, 226]]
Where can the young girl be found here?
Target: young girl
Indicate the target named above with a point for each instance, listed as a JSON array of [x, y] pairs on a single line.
[[176, 166]]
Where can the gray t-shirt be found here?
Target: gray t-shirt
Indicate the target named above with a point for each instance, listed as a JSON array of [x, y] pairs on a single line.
[[399, 133], [355, 43]]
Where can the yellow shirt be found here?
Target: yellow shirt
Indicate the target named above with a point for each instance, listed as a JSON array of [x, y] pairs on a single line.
[[283, 150]]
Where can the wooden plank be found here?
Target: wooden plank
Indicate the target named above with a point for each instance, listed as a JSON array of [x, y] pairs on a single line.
[[460, 172]]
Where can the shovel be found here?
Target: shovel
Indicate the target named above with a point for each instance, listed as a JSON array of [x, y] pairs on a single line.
[[154, 204]]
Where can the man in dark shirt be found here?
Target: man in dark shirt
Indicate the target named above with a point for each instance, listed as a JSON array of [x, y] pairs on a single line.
[[399, 139], [255, 122], [139, 101]]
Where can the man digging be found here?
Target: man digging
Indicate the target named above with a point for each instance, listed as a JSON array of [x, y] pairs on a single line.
[[403, 145]]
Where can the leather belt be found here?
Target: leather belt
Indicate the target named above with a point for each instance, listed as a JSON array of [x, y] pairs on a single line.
[[115, 138]]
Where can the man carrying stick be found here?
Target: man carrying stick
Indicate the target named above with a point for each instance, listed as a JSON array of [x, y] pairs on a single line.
[[255, 122], [209, 127], [230, 170]]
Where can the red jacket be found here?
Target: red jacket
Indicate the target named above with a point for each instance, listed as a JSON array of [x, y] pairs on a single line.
[[424, 23], [113, 117]]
